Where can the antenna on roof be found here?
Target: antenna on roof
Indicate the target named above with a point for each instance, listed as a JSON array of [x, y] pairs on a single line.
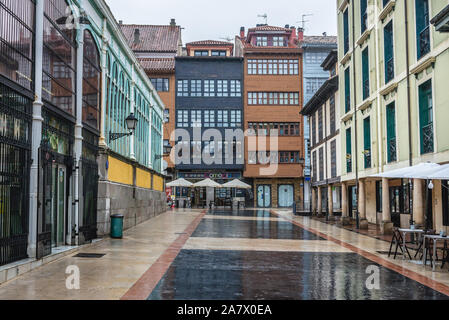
[[227, 38], [303, 20], [265, 16]]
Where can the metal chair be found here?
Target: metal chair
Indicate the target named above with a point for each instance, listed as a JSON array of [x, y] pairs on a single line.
[[398, 240]]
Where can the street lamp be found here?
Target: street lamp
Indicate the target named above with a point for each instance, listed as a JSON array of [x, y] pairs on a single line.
[[131, 124], [167, 151]]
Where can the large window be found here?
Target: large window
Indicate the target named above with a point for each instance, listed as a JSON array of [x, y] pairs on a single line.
[[201, 53], [262, 41], [17, 40], [332, 114], [365, 74], [160, 84], [182, 119], [236, 88], [388, 52], [236, 118], [183, 88], [279, 42], [320, 124], [218, 53], [273, 67], [347, 90], [422, 27], [273, 98], [391, 133], [91, 82], [209, 118], [222, 88], [333, 159], [283, 129], [346, 31], [426, 117], [363, 15], [59, 48], [195, 88], [367, 142], [348, 151], [209, 88], [195, 118]]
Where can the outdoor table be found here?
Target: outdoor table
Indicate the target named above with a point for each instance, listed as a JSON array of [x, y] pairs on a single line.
[[404, 234], [435, 239]]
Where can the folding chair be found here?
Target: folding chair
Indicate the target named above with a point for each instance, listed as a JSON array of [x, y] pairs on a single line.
[[399, 242]]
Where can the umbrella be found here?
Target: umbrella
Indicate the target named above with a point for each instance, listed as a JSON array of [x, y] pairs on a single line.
[[420, 171], [180, 183], [237, 184], [208, 183], [441, 174]]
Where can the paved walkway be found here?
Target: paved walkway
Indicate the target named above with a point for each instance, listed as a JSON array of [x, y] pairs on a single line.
[[251, 254]]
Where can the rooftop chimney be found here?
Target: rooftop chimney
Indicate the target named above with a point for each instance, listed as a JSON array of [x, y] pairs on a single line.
[[300, 34], [172, 23], [136, 36], [287, 26], [324, 34], [242, 32], [293, 36], [120, 22]]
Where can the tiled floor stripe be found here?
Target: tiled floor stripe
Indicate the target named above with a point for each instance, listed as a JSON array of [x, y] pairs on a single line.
[[404, 271], [146, 284]]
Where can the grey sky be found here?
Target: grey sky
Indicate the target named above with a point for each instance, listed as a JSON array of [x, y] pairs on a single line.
[[215, 19]]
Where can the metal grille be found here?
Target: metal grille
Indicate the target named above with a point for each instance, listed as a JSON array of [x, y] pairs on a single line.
[[427, 136], [15, 125], [424, 42]]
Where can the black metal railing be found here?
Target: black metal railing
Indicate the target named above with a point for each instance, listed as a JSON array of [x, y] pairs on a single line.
[[392, 154], [424, 42], [367, 154], [389, 70], [427, 139], [365, 89], [348, 163], [88, 227]]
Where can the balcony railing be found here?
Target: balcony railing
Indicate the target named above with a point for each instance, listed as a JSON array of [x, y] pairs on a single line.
[[424, 42], [392, 154], [389, 70], [348, 163], [365, 89], [367, 154], [427, 139]]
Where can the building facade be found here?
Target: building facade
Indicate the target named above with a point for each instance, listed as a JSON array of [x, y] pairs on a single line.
[[323, 113], [209, 123], [66, 81], [315, 50], [156, 47], [272, 101], [393, 104]]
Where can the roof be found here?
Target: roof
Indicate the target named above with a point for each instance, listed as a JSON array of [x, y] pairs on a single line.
[[153, 38], [268, 28], [311, 41], [209, 43], [330, 60], [158, 64], [321, 96]]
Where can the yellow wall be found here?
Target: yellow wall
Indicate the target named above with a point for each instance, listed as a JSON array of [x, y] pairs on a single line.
[[143, 179], [120, 172], [158, 183]]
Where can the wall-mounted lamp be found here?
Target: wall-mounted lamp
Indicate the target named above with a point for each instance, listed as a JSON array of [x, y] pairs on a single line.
[[131, 124]]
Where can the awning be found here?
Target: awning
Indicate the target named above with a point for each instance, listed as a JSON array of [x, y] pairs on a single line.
[[421, 171], [208, 183], [236, 183], [441, 174], [180, 183]]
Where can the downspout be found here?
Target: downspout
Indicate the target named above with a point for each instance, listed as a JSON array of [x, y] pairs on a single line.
[[409, 114], [355, 117]]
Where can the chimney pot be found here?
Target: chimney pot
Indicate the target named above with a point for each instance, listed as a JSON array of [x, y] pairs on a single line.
[[287, 26], [242, 32], [300, 34], [173, 22], [120, 22], [136, 36]]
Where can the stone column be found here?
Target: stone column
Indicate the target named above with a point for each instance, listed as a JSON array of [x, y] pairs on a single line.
[[320, 203], [330, 200], [363, 223], [386, 226], [418, 202], [345, 220], [104, 90], [36, 136], [313, 201]]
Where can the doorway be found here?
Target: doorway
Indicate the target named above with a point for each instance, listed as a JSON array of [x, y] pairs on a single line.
[[58, 205], [285, 195], [264, 196]]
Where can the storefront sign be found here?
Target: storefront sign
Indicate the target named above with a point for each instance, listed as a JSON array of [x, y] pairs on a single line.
[[210, 175]]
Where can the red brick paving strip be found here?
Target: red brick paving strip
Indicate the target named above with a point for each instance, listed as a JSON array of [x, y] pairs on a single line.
[[142, 289], [435, 285]]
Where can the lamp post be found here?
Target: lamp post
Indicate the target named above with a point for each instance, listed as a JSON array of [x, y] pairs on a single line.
[[131, 124]]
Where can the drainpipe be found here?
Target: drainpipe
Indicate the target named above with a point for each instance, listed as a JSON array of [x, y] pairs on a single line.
[[355, 118], [36, 136], [409, 114]]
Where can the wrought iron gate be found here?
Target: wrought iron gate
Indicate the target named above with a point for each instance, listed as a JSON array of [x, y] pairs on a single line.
[[44, 213]]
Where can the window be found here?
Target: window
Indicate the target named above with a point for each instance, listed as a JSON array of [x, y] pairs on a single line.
[[313, 118], [314, 167], [422, 27], [236, 118], [195, 118], [201, 53], [365, 73], [320, 124], [252, 66], [222, 88], [332, 114], [273, 67], [293, 67], [388, 52], [183, 88], [218, 53], [195, 88], [261, 41], [391, 132], [348, 151], [183, 119], [209, 88], [426, 117], [166, 115], [236, 89], [345, 32], [160, 84], [222, 119], [321, 160], [367, 142], [363, 15], [278, 42], [209, 118], [333, 159], [288, 157], [252, 98], [347, 90]]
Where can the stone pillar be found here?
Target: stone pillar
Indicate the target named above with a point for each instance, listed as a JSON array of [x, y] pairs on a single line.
[[330, 200], [363, 223], [104, 100], [320, 203], [132, 153], [418, 202], [386, 225], [345, 220], [36, 136], [313, 201]]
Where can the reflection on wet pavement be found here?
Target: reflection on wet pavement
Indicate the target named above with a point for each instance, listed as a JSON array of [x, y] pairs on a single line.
[[242, 213], [234, 275]]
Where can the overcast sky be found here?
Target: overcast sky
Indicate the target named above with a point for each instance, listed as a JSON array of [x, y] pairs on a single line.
[[215, 19]]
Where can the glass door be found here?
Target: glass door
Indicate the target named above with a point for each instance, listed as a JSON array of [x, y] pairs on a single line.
[[59, 174], [264, 196], [285, 196]]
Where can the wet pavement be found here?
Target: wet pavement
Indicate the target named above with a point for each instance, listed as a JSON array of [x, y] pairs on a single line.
[[241, 255]]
